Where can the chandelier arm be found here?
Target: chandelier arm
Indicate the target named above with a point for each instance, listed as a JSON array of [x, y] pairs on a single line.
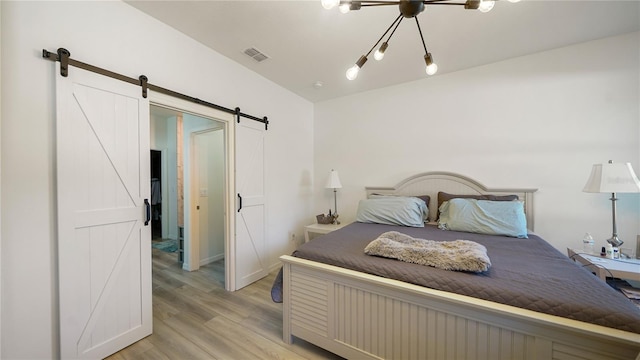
[[421, 37], [394, 29], [372, 2], [439, 3], [372, 5], [398, 19]]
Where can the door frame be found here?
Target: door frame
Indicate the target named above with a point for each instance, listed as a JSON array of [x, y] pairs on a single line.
[[227, 119]]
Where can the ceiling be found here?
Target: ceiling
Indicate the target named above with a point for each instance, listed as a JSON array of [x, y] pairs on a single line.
[[308, 44]]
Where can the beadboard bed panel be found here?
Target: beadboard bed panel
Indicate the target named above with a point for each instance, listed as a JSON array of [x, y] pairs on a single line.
[[363, 316], [371, 317]]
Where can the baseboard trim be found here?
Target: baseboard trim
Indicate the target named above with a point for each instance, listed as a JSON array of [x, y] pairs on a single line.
[[211, 259]]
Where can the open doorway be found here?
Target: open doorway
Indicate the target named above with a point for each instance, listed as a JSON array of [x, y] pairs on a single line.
[[188, 166], [156, 194]]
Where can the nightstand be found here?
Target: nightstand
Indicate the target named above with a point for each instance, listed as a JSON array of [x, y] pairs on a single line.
[[628, 269], [320, 229], [625, 271]]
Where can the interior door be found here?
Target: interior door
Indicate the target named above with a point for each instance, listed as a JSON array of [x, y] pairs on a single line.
[[250, 246], [104, 242], [209, 194]]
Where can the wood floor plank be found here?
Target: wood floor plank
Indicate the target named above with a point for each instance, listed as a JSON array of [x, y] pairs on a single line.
[[257, 346], [195, 318], [175, 345], [194, 279], [163, 308], [182, 303], [206, 338], [161, 278], [136, 351], [217, 302]]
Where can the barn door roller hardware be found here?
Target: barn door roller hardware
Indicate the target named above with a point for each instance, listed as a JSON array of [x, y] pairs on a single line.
[[64, 57], [143, 82], [263, 120]]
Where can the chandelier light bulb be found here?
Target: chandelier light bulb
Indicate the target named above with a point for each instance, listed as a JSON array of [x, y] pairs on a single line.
[[345, 8], [330, 4], [486, 5], [353, 71], [379, 54], [432, 69]]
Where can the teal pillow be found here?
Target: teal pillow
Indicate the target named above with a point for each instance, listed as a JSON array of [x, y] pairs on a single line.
[[392, 210], [425, 198], [504, 218]]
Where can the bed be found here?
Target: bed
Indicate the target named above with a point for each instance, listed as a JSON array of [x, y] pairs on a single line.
[[366, 314]]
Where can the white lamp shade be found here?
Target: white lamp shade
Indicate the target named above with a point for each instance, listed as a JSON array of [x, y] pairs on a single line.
[[612, 178], [334, 181]]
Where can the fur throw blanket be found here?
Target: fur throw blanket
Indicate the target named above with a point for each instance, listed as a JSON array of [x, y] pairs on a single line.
[[460, 255]]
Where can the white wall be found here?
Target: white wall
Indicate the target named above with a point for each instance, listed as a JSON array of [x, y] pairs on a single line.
[[115, 36], [537, 121]]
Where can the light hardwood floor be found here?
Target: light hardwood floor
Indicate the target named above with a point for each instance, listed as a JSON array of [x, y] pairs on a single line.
[[195, 318]]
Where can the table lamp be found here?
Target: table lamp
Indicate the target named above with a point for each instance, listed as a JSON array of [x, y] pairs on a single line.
[[334, 183], [613, 178]]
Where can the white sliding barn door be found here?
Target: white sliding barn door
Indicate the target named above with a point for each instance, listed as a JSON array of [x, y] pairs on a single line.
[[104, 246], [250, 246]]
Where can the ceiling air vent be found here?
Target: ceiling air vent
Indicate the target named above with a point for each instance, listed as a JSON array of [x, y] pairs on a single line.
[[256, 54]]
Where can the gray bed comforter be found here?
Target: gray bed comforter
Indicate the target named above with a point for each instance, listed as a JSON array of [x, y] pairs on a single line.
[[527, 273]]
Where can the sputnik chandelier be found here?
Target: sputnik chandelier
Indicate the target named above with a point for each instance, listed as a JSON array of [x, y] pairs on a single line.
[[408, 9]]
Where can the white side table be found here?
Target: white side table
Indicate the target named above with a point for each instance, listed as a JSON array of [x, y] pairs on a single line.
[[320, 229], [628, 269]]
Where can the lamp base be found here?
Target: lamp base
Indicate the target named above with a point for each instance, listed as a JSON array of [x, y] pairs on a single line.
[[615, 241]]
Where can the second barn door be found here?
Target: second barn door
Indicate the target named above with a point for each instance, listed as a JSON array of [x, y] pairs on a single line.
[[250, 245]]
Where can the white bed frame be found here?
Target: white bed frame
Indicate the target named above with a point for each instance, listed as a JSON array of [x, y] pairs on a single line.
[[362, 316]]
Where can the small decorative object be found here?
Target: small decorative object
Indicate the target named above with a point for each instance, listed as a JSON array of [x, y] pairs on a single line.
[[609, 251], [612, 178], [335, 219], [334, 183], [616, 252], [324, 219]]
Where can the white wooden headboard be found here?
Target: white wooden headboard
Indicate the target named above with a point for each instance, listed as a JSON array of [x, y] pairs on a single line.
[[430, 183]]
